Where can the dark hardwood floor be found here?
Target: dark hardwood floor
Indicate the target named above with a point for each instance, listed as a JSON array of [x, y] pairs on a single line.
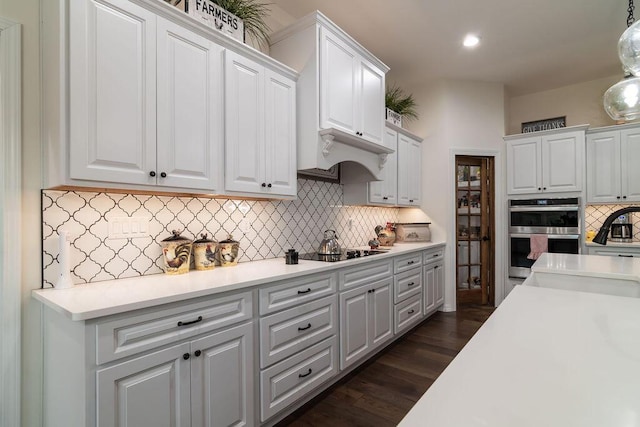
[[384, 389]]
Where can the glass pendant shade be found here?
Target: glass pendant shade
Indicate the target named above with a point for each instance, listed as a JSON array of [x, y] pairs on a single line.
[[629, 49], [622, 100]]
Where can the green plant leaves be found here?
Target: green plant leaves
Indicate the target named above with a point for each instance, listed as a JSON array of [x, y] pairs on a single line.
[[396, 100]]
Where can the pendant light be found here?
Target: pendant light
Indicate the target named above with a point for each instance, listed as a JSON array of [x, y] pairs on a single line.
[[622, 100]]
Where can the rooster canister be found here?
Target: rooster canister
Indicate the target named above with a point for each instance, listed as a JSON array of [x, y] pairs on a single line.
[[176, 253], [228, 250], [386, 236], [204, 252]]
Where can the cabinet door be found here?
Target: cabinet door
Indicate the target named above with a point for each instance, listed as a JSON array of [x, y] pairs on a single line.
[[339, 65], [354, 325], [371, 92], [280, 126], [415, 172], [439, 284], [523, 166], [381, 312], [190, 127], [409, 171], [562, 162], [222, 378], [112, 92], [603, 167], [429, 289], [630, 172], [244, 124], [149, 391], [385, 191]]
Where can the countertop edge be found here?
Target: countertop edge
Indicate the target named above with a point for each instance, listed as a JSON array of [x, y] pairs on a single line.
[[69, 301]]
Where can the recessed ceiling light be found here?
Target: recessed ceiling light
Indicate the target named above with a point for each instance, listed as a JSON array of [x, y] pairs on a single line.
[[471, 40]]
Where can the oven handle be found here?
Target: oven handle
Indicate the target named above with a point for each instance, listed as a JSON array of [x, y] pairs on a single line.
[[570, 208], [550, 236]]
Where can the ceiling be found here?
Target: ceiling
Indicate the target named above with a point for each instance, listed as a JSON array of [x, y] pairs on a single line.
[[528, 46]]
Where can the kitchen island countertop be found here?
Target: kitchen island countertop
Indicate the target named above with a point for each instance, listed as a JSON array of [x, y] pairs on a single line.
[[589, 266], [545, 357], [92, 300]]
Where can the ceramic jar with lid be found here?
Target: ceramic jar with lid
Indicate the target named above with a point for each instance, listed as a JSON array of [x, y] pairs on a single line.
[[204, 253], [176, 253], [387, 235], [228, 250]]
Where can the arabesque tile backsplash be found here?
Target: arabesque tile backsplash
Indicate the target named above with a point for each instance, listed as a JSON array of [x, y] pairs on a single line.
[[265, 229]]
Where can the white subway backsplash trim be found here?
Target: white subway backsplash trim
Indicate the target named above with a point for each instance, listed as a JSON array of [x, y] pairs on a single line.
[[595, 215], [265, 229]]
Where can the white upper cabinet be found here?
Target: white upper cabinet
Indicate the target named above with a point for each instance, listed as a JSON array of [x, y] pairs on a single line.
[[409, 171], [612, 173], [340, 95], [112, 78], [141, 87], [190, 136], [549, 162], [352, 90], [260, 129]]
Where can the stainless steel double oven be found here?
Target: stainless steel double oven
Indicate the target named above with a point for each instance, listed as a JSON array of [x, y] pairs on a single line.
[[558, 218]]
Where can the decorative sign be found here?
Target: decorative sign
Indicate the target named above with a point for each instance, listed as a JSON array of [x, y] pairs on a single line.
[[394, 118], [216, 17], [546, 124]]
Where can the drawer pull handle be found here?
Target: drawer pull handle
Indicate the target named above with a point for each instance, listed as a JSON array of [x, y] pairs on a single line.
[[305, 328], [410, 262], [199, 319], [626, 256], [410, 284], [304, 292], [436, 255], [411, 311], [305, 375]]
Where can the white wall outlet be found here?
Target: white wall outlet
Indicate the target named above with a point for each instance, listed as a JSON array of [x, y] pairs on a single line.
[[350, 223], [125, 227]]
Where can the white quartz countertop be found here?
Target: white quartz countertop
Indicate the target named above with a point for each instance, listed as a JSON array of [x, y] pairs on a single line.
[[589, 265], [545, 357], [92, 300]]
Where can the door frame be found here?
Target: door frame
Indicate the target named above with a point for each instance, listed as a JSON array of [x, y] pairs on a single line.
[[10, 220], [500, 233]]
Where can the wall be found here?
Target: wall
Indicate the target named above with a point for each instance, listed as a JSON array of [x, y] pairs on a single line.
[[581, 103], [264, 229], [26, 12], [457, 117]]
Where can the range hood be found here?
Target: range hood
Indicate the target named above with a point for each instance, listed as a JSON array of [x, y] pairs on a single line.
[[361, 160]]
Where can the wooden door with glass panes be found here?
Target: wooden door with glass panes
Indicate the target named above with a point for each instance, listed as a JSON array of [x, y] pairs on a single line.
[[474, 225]]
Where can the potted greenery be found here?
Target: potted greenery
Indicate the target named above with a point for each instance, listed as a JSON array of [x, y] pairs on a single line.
[[402, 105], [252, 13]]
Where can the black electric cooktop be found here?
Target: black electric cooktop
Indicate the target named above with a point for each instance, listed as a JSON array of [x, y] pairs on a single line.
[[345, 254]]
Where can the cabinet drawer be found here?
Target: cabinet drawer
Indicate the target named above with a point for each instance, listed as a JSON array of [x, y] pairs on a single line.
[[287, 332], [407, 313], [407, 284], [127, 335], [433, 255], [295, 292], [364, 274], [407, 262], [286, 382]]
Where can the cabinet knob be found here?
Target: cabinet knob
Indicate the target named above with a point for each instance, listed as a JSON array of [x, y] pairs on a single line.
[[264, 184], [539, 188], [624, 197], [197, 353], [435, 266], [544, 188], [410, 200], [163, 175], [186, 356], [618, 197], [152, 173], [269, 185]]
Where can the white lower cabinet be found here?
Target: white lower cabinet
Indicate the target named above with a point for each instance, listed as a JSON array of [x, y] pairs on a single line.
[[205, 382], [407, 313], [284, 383], [433, 273], [365, 320], [615, 251]]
